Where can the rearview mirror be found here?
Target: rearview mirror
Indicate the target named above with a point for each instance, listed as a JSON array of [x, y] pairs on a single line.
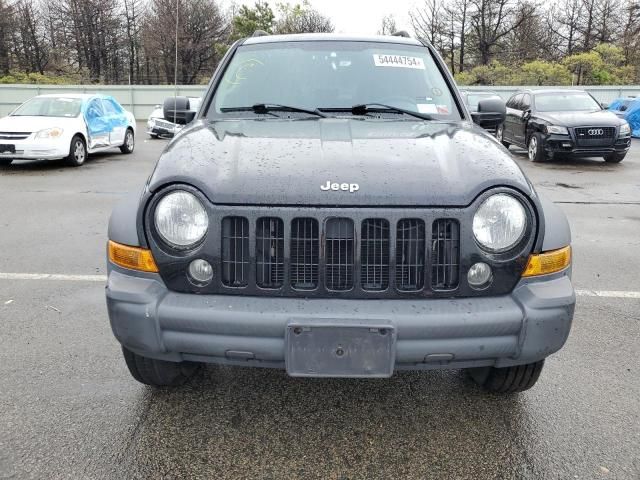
[[491, 113]]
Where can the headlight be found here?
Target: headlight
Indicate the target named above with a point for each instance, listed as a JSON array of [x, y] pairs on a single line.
[[625, 130], [557, 130], [499, 223], [54, 132], [180, 219]]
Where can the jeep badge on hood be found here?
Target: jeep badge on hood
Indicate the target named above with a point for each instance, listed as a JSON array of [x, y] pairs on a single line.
[[345, 187]]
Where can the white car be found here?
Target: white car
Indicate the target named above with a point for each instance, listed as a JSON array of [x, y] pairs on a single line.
[[68, 126], [181, 109]]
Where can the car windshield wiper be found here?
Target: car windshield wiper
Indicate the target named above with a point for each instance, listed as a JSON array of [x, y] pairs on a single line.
[[365, 108], [273, 107]]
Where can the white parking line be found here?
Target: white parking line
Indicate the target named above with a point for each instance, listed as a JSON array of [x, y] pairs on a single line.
[[607, 293], [103, 278], [53, 276]]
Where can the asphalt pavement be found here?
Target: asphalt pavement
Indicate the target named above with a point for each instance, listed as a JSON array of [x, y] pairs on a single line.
[[69, 408]]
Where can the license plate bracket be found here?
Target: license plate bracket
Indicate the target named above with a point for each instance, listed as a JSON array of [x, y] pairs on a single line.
[[340, 348], [7, 148]]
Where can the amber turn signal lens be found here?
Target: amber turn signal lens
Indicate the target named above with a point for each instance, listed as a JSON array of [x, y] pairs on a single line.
[[134, 258], [548, 262]]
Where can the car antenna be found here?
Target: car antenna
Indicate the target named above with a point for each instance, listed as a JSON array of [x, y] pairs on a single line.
[[260, 33], [401, 33], [175, 71]]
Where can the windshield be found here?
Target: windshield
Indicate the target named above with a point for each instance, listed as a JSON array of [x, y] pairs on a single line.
[[565, 102], [334, 75], [50, 107]]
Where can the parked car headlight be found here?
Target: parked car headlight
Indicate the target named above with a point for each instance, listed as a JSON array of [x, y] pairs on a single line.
[[625, 129], [54, 132], [557, 130], [499, 223], [180, 219]]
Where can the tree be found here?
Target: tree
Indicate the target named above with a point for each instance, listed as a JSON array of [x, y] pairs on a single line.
[[427, 22], [492, 20], [248, 20], [540, 72], [301, 18], [388, 25], [6, 27], [201, 27]]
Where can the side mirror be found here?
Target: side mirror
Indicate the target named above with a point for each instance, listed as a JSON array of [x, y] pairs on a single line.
[[604, 105], [491, 113]]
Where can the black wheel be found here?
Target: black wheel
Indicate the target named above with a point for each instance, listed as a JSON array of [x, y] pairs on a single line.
[[129, 142], [614, 157], [500, 136], [535, 148], [5, 162], [507, 380], [77, 152], [158, 373]]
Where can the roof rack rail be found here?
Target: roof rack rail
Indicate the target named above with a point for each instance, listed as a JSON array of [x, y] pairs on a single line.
[[401, 33], [260, 33]]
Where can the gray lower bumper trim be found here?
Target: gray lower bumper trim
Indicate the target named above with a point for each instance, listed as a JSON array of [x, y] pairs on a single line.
[[526, 326]]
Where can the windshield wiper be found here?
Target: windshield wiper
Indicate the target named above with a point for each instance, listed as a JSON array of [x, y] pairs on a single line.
[[366, 108], [273, 107]]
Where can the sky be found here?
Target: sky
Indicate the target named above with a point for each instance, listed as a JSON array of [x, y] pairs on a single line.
[[362, 17]]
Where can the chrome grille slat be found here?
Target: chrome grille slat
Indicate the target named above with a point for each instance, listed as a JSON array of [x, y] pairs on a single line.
[[14, 135]]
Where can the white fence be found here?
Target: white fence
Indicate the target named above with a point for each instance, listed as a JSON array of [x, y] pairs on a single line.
[[141, 99]]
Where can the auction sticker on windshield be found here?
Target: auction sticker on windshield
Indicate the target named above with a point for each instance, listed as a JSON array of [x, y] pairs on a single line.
[[401, 61]]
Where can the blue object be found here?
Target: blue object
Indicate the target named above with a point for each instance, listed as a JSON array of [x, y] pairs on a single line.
[[629, 109]]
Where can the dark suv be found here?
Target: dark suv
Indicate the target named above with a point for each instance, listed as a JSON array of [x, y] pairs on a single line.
[[333, 210], [570, 123]]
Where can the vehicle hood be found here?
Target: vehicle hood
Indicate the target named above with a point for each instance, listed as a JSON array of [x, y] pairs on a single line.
[[285, 162], [600, 118], [34, 124]]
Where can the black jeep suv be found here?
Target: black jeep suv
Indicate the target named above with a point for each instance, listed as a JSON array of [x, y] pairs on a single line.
[[333, 210], [550, 123]]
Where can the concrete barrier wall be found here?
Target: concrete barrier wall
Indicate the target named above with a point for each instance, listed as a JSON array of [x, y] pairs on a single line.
[[141, 99]]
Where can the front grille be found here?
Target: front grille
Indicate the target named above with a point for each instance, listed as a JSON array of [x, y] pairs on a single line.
[[269, 252], [14, 135], [374, 254], [235, 251], [595, 136], [445, 252], [339, 245], [339, 254]]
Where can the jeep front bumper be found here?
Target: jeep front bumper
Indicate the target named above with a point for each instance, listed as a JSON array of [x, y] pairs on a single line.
[[523, 327]]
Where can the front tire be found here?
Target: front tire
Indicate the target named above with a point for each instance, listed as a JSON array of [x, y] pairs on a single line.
[[614, 157], [535, 148], [77, 152], [158, 373], [5, 162], [129, 142], [509, 379], [500, 136]]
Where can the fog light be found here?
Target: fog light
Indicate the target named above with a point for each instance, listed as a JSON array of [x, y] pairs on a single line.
[[479, 275], [201, 272]]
